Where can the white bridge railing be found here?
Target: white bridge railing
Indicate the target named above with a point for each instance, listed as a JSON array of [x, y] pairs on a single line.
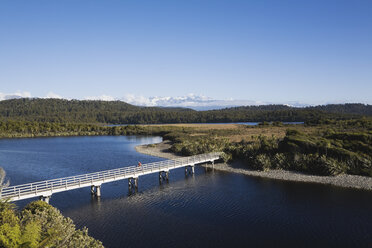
[[41, 188]]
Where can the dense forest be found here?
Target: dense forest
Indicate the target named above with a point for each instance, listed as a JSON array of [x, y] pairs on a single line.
[[117, 112]]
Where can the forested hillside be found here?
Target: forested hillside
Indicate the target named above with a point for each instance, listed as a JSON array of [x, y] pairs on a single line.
[[60, 110], [117, 112]]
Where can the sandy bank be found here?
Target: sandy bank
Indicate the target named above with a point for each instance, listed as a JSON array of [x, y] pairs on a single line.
[[346, 181]]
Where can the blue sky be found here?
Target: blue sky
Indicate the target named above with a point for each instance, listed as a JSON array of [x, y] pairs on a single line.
[[269, 51]]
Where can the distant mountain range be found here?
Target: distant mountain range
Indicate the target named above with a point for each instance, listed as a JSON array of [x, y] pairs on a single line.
[[190, 101], [196, 102]]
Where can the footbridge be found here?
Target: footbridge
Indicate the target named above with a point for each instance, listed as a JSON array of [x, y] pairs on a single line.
[[45, 189]]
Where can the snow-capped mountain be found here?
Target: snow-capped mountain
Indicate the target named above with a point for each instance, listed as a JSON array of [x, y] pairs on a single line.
[[189, 101], [7, 96], [197, 102]]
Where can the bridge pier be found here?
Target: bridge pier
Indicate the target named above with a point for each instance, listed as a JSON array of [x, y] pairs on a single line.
[[45, 198], [133, 182], [163, 175], [206, 167], [190, 169], [95, 190], [98, 191]]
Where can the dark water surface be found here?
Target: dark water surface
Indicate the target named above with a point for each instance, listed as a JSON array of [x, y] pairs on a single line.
[[210, 209]]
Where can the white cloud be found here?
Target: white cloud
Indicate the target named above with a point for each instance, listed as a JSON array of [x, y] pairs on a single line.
[[18, 94], [189, 101], [53, 95], [138, 100], [102, 98]]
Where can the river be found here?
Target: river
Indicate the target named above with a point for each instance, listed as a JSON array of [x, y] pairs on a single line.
[[209, 209]]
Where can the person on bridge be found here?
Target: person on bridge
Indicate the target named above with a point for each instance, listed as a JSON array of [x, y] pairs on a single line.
[[139, 164]]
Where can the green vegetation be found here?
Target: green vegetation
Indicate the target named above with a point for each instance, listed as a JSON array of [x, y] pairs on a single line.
[[116, 112], [322, 147], [40, 225], [19, 129], [25, 129], [340, 147]]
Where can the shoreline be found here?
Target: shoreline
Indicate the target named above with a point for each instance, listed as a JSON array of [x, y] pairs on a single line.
[[345, 181]]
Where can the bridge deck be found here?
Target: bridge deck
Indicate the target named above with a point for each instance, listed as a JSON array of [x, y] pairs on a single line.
[[49, 187]]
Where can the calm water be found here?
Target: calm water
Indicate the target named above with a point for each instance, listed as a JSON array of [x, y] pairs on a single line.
[[210, 209]]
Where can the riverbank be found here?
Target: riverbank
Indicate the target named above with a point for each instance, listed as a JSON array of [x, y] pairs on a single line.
[[346, 181]]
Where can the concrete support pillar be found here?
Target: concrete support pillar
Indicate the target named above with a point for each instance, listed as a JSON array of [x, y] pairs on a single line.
[[98, 190], [163, 175], [136, 182], [133, 182], [189, 169], [45, 198], [95, 190]]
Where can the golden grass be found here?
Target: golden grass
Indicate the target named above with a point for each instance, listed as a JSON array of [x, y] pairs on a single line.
[[201, 126], [238, 132]]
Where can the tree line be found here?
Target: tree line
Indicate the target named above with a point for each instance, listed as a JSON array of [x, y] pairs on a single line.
[[118, 112]]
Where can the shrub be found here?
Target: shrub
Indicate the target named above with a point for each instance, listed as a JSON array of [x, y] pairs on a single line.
[[263, 162], [40, 225]]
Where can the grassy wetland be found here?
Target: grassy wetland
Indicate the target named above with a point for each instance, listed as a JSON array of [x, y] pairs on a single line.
[[328, 152], [328, 147]]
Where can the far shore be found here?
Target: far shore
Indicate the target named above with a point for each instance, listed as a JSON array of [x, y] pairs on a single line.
[[346, 181]]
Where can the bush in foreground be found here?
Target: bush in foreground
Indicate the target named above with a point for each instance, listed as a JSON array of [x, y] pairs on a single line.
[[40, 225]]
